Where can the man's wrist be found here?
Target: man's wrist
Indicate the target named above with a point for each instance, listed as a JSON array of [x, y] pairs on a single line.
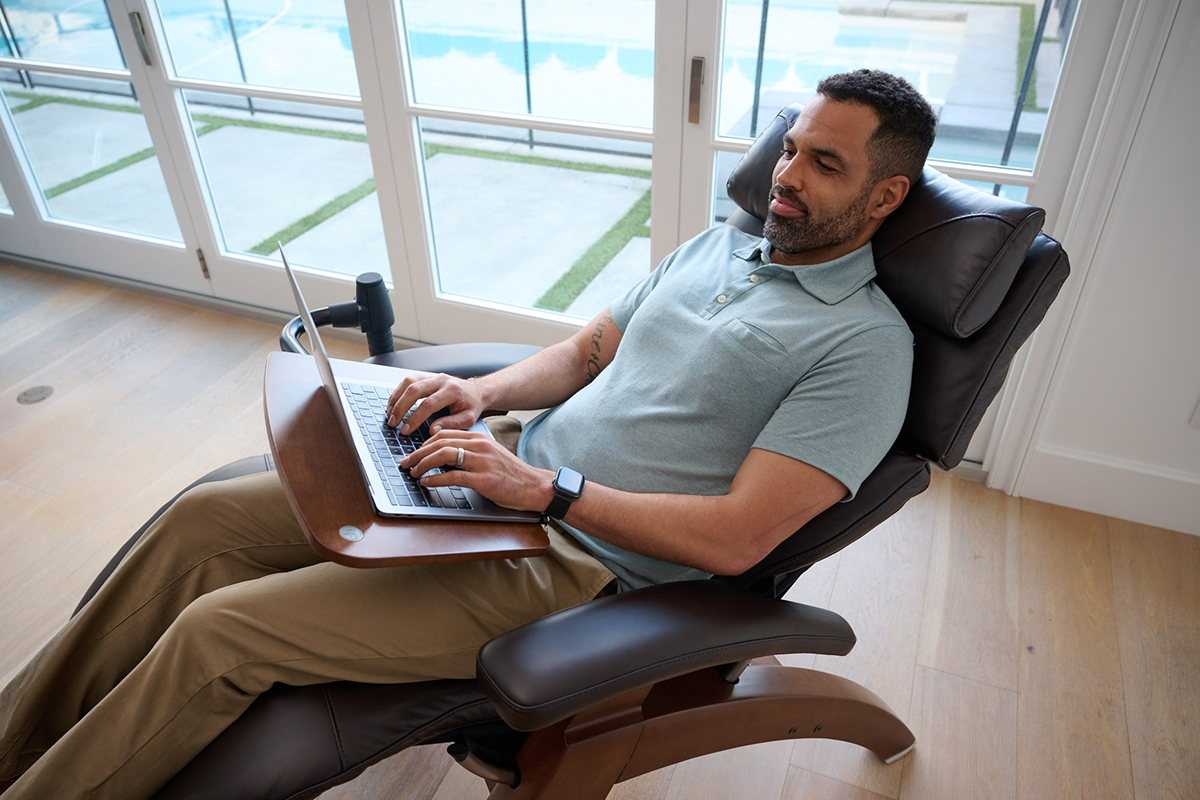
[[545, 495], [568, 487], [487, 397]]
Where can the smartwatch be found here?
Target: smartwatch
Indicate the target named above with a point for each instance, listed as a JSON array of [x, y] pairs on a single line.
[[568, 485]]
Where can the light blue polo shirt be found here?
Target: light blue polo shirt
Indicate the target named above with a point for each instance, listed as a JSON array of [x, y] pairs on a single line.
[[722, 351]]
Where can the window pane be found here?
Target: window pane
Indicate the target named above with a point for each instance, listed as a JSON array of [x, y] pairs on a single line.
[[723, 207], [4, 200], [1017, 193], [287, 44], [64, 31], [590, 62], [301, 178], [92, 157], [968, 58], [560, 226]]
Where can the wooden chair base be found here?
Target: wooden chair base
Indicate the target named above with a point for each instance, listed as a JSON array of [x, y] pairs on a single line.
[[694, 715]]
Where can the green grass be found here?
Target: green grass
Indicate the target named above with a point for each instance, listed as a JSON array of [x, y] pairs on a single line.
[[307, 223], [107, 169], [558, 298], [96, 174], [221, 122], [40, 101], [1024, 47], [72, 101], [583, 166], [564, 291]]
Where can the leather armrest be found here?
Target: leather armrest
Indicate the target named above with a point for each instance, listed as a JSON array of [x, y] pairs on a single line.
[[555, 667], [460, 360]]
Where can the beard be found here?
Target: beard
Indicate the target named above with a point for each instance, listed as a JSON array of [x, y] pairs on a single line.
[[794, 235]]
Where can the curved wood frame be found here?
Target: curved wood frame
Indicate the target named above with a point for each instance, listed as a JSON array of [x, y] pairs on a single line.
[[694, 715]]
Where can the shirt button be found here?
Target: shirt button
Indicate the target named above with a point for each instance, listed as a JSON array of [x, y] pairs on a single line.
[[721, 298], [754, 279]]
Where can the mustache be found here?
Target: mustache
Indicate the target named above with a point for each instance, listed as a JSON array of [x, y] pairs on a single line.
[[788, 196]]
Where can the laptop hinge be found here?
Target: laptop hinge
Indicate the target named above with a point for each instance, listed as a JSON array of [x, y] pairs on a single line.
[[203, 264]]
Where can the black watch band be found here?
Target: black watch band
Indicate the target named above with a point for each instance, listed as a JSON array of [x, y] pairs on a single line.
[[568, 485]]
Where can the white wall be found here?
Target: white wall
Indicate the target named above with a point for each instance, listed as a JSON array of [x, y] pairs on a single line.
[[1115, 435]]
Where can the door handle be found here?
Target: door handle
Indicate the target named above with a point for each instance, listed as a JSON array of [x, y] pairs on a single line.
[[139, 33], [694, 90]]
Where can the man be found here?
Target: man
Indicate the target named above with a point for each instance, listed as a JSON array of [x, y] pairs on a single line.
[[715, 408]]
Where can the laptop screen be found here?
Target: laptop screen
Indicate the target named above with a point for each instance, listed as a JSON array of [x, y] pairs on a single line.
[[318, 348]]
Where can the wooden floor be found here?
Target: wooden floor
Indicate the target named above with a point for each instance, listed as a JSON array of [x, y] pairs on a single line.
[[1037, 652]]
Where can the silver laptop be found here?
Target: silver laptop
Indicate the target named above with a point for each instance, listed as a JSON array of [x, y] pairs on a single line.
[[360, 408]]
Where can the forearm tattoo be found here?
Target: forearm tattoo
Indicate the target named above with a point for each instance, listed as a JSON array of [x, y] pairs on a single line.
[[593, 362]]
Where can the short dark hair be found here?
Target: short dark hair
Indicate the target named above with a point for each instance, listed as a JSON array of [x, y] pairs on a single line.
[[901, 143]]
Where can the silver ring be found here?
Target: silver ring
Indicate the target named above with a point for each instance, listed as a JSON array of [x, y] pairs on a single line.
[[458, 462]]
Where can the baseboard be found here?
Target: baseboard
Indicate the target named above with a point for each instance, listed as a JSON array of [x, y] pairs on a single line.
[[1114, 487], [967, 470]]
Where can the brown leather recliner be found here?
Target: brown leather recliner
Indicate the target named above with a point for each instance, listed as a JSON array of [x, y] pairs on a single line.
[[571, 704]]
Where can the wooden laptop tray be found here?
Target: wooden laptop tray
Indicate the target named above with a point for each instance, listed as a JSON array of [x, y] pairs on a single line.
[[326, 490]]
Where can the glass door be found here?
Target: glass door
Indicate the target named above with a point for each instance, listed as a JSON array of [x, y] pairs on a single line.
[[268, 104], [528, 135], [84, 179], [992, 70]]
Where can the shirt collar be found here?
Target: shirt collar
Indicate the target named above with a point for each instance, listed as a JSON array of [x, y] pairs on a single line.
[[830, 281]]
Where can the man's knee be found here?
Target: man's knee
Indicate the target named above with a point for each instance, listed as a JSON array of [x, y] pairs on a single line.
[[214, 637]]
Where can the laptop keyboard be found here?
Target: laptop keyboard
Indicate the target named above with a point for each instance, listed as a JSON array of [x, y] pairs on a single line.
[[387, 446]]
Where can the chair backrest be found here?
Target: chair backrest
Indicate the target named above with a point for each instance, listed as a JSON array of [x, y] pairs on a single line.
[[973, 276]]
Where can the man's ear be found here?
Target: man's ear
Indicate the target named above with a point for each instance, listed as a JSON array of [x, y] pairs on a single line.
[[889, 193]]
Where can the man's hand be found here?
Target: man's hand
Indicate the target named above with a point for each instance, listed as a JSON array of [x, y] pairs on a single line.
[[464, 400], [487, 467]]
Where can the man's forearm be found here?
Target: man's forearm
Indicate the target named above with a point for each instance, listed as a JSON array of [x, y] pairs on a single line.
[[550, 376], [771, 498], [705, 532], [545, 379]]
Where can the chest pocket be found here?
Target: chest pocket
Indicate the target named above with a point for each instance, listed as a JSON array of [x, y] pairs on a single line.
[[758, 342]]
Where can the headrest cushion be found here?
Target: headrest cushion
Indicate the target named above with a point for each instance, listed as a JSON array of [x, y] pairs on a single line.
[[946, 257]]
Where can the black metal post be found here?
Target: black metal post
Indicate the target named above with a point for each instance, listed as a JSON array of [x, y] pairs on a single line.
[[11, 38], [1020, 107], [762, 44], [237, 51], [113, 28], [528, 84]]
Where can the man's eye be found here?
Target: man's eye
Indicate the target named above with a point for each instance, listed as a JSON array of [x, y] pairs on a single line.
[[824, 167], [788, 153]]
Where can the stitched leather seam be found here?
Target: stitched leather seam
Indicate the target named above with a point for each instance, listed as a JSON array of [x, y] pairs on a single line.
[[337, 733], [1016, 234], [700, 655], [413, 738], [942, 223], [1007, 348]]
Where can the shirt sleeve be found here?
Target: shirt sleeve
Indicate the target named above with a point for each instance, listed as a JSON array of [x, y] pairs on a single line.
[[845, 413]]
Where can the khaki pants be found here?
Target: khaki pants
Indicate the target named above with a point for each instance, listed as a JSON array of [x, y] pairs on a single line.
[[223, 597]]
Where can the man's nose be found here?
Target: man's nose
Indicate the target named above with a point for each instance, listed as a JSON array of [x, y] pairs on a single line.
[[790, 175]]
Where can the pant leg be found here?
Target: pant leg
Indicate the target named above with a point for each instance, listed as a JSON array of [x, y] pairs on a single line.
[[316, 624], [313, 624], [217, 534]]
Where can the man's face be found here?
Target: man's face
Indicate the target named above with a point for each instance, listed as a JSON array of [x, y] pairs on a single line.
[[821, 189]]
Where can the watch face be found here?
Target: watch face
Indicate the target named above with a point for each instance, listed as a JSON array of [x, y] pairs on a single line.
[[569, 482]]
